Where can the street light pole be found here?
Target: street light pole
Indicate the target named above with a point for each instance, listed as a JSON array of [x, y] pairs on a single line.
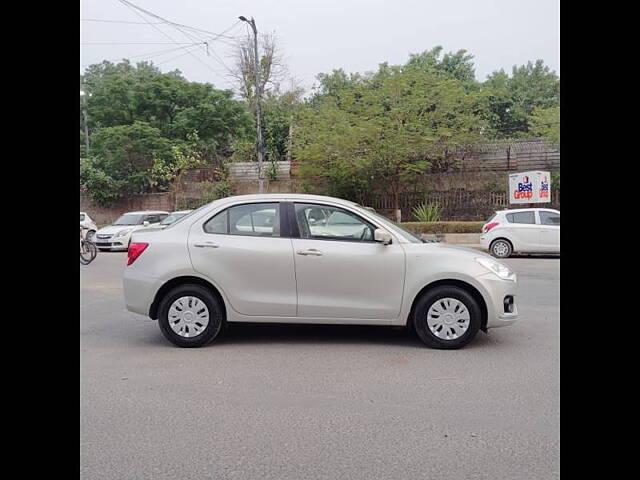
[[84, 116], [259, 143]]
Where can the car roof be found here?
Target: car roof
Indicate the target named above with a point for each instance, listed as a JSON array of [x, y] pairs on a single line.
[[139, 212], [513, 210], [181, 211], [286, 196]]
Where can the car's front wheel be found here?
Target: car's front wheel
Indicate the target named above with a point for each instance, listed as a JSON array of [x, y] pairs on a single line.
[[190, 316], [501, 248], [447, 317]]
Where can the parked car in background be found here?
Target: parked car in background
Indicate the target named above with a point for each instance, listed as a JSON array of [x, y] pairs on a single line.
[[172, 217], [295, 258], [87, 223], [523, 230], [117, 236]]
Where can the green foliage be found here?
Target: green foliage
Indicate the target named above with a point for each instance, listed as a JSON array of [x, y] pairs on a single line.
[[384, 128], [444, 227], [147, 127], [545, 122], [215, 191], [555, 181], [510, 101], [102, 189], [127, 153], [272, 171], [123, 94], [427, 212]]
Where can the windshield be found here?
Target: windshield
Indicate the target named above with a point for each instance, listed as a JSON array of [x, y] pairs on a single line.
[[403, 232], [129, 219], [178, 220], [172, 218]]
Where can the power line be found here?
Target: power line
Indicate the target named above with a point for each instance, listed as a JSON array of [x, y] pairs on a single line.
[[135, 8], [113, 21], [151, 14], [149, 55], [139, 43]]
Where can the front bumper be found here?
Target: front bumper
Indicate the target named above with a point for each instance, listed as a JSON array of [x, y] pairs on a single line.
[[498, 314], [112, 243]]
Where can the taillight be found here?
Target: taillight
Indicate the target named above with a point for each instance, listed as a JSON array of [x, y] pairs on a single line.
[[489, 226], [135, 250]]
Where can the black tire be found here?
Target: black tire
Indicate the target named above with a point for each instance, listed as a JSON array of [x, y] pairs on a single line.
[[504, 247], [87, 253], [428, 299], [216, 315]]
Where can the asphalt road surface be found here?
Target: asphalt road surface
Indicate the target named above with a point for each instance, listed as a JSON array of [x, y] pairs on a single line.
[[318, 402]]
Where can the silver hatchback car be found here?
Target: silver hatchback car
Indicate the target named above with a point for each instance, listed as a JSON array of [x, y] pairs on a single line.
[[294, 258]]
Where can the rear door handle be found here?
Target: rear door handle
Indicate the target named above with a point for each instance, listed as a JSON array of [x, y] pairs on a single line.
[[311, 251], [206, 245]]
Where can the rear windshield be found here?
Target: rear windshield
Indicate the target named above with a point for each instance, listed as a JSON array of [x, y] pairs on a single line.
[[491, 218], [129, 219], [172, 218]]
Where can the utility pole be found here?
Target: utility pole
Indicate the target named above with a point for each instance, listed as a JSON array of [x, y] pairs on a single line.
[[259, 143], [84, 116]]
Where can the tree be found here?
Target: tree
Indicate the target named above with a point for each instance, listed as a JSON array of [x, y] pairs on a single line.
[[512, 100], [458, 65], [272, 68], [127, 154], [386, 129], [545, 122], [123, 94]]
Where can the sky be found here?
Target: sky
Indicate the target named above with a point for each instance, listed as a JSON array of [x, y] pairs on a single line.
[[321, 35]]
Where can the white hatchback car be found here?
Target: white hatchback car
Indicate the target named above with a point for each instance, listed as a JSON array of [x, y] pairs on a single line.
[[288, 258], [523, 230], [117, 236]]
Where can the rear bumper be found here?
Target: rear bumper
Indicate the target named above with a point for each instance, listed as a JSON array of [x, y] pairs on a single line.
[[484, 242], [139, 291]]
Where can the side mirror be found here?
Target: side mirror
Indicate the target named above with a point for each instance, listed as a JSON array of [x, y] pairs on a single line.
[[145, 223], [382, 236]]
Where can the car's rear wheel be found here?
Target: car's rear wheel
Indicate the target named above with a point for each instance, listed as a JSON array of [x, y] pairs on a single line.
[[501, 248], [190, 316], [447, 317]]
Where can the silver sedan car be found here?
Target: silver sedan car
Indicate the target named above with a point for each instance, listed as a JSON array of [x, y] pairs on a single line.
[[294, 258]]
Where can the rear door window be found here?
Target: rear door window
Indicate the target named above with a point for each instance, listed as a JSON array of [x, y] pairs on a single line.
[[253, 219], [549, 218], [522, 217]]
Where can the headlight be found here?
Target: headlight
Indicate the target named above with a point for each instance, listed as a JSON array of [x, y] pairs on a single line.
[[502, 271], [122, 233]]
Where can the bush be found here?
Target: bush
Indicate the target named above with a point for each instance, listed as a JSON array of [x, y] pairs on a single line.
[[444, 227], [427, 212]]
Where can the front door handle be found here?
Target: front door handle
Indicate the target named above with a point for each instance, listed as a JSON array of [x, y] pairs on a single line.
[[206, 245], [311, 251]]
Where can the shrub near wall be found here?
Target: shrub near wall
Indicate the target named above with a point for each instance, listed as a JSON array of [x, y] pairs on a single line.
[[444, 227]]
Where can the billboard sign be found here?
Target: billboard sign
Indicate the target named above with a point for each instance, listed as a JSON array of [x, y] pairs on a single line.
[[530, 187]]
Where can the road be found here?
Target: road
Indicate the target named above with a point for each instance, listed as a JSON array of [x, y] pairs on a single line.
[[318, 402]]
